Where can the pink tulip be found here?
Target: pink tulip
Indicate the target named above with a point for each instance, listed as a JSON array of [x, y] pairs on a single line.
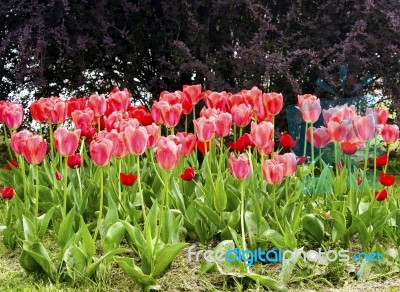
[[156, 113], [38, 110], [235, 99], [209, 112], [66, 142], [301, 98], [205, 129], [168, 151], [170, 98], [267, 150], [97, 103], [193, 92], [338, 131], [289, 160], [253, 98], [273, 171], [83, 120], [223, 124], [76, 104], [241, 115], [188, 142], [119, 100], [136, 139], [390, 133], [13, 115], [262, 134], [113, 121], [153, 132], [216, 100], [171, 114], [321, 137], [34, 149], [365, 127], [239, 167], [18, 139], [339, 114], [273, 103], [57, 110], [101, 151], [310, 109], [381, 115]]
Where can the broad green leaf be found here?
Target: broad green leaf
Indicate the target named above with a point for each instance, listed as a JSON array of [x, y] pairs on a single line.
[[210, 214], [136, 274], [29, 229], [66, 228], [92, 267], [314, 227], [268, 282], [87, 240], [164, 258], [220, 199], [359, 227], [45, 222], [37, 251], [274, 237], [113, 236]]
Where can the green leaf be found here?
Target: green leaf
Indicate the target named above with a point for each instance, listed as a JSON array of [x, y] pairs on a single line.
[[113, 236], [210, 214], [66, 228], [29, 229], [268, 282], [45, 222], [314, 227], [324, 182], [273, 236], [134, 272], [220, 199], [359, 227], [37, 251], [92, 267], [87, 241], [164, 258]]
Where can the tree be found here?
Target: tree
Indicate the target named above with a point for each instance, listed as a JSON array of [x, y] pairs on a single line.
[[78, 47]]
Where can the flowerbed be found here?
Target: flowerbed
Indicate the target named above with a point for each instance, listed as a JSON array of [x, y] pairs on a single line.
[[117, 186]]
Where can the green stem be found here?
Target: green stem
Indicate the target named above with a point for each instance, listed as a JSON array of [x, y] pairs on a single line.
[[51, 141], [163, 203], [64, 213], [100, 204], [242, 207], [37, 195], [320, 158], [221, 153], [21, 162], [172, 130], [119, 181], [7, 141], [140, 189], [305, 140], [364, 176], [78, 174], [240, 131], [387, 156], [234, 132], [336, 158], [312, 148], [194, 118], [98, 124], [274, 203]]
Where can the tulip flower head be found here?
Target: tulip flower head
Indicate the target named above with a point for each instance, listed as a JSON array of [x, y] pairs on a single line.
[[273, 103], [273, 171], [390, 133], [381, 195], [74, 161], [66, 142], [188, 174], [127, 179], [7, 193], [349, 148], [101, 151], [168, 152], [287, 142], [381, 160], [239, 167], [205, 129], [34, 149], [386, 179]]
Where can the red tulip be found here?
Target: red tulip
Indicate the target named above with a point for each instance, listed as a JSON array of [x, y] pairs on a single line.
[[58, 175], [141, 114], [18, 138], [239, 167], [10, 164], [97, 103], [188, 174], [66, 142], [241, 115], [7, 193], [349, 148], [75, 104], [273, 103], [381, 160], [188, 141], [289, 161], [127, 179], [193, 92], [168, 152], [136, 139], [244, 142], [273, 171], [223, 124], [287, 141], [364, 127], [74, 161], [200, 145], [262, 134], [216, 100], [321, 137], [381, 195], [301, 160], [13, 115], [38, 110], [34, 149], [386, 179], [390, 133], [101, 151], [310, 109], [205, 129]]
